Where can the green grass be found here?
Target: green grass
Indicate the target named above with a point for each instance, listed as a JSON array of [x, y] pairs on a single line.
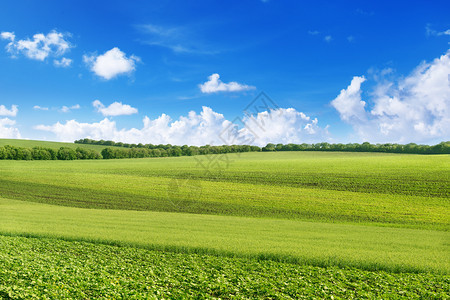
[[289, 224], [264, 188], [52, 145], [320, 244], [33, 268]]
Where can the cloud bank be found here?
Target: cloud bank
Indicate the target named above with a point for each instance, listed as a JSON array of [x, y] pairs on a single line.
[[206, 127], [413, 109], [111, 64], [214, 85]]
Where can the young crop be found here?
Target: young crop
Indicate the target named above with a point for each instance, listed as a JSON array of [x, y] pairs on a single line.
[[55, 269]]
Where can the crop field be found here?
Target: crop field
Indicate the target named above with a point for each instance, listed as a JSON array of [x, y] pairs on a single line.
[[60, 269], [45, 144], [280, 225]]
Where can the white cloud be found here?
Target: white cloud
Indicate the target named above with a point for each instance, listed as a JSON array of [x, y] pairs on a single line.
[[63, 62], [7, 131], [8, 112], [8, 36], [282, 125], [431, 31], [349, 103], [114, 109], [111, 64], [37, 107], [328, 38], [313, 32], [214, 85], [40, 47], [178, 39], [207, 127], [413, 109], [66, 109]]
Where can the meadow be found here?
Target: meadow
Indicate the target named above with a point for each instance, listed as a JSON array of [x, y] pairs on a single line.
[[330, 219], [47, 144]]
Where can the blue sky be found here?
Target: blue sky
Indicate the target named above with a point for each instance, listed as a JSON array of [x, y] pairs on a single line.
[[337, 71]]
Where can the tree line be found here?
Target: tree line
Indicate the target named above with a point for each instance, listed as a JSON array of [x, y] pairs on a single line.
[[42, 153], [441, 148], [121, 150], [169, 150]]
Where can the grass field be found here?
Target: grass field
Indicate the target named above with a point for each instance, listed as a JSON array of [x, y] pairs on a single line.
[[332, 215], [52, 145]]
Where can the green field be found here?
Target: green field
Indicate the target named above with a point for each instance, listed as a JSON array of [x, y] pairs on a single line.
[[45, 144], [59, 269], [332, 218]]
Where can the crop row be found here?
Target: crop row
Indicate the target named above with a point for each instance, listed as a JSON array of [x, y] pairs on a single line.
[[33, 268]]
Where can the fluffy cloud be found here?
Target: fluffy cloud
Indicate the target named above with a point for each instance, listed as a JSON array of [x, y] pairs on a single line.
[[40, 47], [207, 127], [349, 103], [63, 62], [111, 64], [413, 109], [8, 112], [214, 85], [114, 109], [7, 131]]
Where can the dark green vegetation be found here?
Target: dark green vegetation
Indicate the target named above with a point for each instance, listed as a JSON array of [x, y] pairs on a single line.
[[441, 148], [320, 224], [121, 150], [40, 153], [59, 269]]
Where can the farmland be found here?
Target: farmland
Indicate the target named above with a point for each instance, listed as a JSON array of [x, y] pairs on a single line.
[[342, 224]]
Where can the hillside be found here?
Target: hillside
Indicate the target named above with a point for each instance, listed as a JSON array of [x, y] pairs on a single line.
[[53, 145]]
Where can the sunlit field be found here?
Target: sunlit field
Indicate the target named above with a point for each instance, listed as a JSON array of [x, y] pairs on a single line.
[[321, 213]]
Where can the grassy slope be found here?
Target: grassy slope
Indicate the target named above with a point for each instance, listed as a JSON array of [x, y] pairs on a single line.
[[322, 244], [344, 191], [53, 145], [294, 185], [77, 270]]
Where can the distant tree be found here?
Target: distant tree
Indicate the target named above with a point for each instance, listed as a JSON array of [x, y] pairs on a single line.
[[65, 153]]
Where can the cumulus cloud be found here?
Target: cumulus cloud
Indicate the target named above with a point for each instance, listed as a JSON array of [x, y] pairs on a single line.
[[328, 38], [214, 85], [415, 108], [8, 36], [66, 109], [111, 64], [37, 107], [4, 111], [114, 109], [39, 47], [7, 129], [63, 62], [349, 103], [206, 127]]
